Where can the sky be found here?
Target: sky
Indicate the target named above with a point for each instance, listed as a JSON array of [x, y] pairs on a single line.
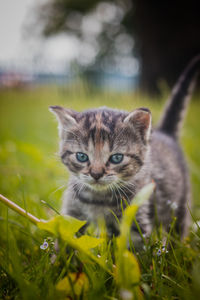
[[12, 17], [17, 50]]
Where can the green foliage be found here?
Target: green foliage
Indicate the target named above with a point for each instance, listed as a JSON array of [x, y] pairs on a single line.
[[127, 273], [127, 269], [90, 266]]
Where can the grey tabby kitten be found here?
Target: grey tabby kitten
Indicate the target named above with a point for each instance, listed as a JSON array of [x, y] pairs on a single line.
[[112, 154]]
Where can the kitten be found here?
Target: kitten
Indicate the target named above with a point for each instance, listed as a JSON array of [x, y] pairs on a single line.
[[112, 154]]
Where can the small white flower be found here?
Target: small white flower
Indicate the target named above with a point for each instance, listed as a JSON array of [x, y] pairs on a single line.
[[126, 295], [164, 249], [44, 246], [174, 206]]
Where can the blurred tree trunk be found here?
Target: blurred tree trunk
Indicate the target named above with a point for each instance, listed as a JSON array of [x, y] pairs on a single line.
[[167, 35]]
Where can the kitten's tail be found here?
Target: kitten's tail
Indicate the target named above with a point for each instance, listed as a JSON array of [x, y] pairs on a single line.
[[174, 112]]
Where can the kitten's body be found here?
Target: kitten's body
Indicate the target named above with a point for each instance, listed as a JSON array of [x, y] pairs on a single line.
[[165, 165], [99, 186]]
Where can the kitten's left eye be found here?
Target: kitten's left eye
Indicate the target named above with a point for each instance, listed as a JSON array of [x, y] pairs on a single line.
[[116, 158], [82, 157]]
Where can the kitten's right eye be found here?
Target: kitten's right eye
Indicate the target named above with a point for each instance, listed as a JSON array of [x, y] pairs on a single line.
[[81, 157], [116, 158]]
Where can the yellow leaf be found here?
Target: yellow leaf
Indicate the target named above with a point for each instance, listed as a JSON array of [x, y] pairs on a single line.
[[127, 271], [65, 226], [128, 275], [73, 283], [88, 242]]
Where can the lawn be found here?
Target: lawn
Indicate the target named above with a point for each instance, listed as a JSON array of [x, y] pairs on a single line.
[[32, 175]]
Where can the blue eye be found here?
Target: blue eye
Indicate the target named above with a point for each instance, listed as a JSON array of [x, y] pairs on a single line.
[[82, 157], [116, 158]]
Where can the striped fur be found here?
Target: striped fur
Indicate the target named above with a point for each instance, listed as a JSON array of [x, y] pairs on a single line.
[[98, 185]]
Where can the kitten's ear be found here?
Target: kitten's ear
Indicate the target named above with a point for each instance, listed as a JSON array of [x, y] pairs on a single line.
[[65, 117], [140, 119]]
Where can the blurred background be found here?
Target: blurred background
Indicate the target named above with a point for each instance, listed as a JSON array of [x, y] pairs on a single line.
[[112, 44], [83, 54]]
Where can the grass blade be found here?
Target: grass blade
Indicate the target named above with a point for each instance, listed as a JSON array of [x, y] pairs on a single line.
[[19, 210]]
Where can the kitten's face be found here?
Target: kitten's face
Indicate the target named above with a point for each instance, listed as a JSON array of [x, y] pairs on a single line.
[[103, 147]]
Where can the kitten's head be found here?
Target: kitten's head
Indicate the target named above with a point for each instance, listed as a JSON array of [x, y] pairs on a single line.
[[102, 147]]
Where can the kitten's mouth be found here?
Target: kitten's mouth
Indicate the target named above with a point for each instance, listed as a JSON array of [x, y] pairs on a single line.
[[99, 185]]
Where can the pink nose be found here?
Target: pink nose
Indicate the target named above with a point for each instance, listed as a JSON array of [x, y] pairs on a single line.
[[96, 175]]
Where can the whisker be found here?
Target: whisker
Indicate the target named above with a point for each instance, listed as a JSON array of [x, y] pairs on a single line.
[[124, 193], [126, 188], [127, 182], [126, 196], [129, 186], [81, 188], [110, 188], [117, 190], [114, 191]]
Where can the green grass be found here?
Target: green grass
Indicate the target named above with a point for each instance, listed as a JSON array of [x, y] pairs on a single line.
[[30, 171]]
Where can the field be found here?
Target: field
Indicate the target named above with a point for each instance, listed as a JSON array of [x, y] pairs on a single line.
[[32, 175]]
